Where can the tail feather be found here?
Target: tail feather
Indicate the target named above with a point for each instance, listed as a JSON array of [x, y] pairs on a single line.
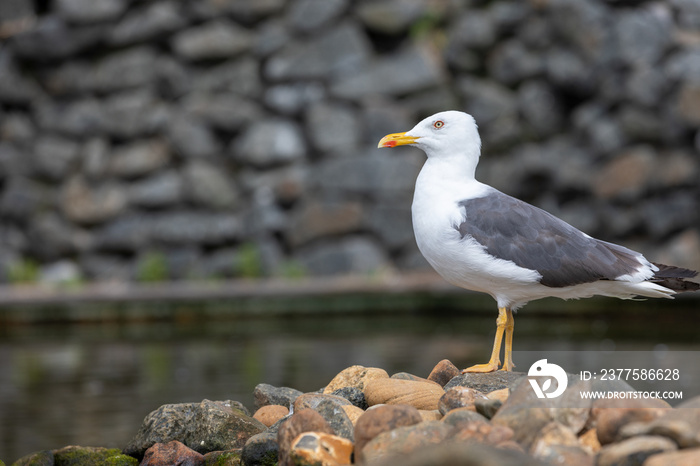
[[675, 278]]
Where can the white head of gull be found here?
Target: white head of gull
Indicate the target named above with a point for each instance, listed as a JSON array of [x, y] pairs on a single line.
[[481, 239]]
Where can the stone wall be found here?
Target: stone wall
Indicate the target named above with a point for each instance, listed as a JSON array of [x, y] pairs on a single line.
[[143, 140]]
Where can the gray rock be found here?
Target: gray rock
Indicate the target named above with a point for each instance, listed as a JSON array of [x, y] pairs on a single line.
[[222, 110], [353, 254], [22, 197], [54, 156], [12, 10], [316, 219], [134, 113], [382, 176], [271, 37], [203, 427], [90, 11], [541, 108], [52, 39], [294, 97], [163, 189], [17, 127], [392, 224], [646, 86], [339, 51], [390, 16], [265, 394], [214, 40], [240, 76], [79, 118], [139, 158], [102, 267], [52, 237], [570, 72], [14, 87], [336, 417], [686, 104], [148, 23], [270, 142], [411, 70], [354, 395], [311, 15], [190, 137], [474, 29], [260, 449], [643, 35], [208, 185], [684, 65], [95, 155], [88, 204], [245, 10], [585, 26], [333, 128], [195, 228], [512, 62], [669, 214]]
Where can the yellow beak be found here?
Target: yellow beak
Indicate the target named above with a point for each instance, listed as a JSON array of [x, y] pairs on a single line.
[[396, 139]]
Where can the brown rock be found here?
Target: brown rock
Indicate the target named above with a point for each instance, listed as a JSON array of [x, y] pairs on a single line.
[[430, 415], [687, 457], [404, 440], [420, 395], [627, 175], [550, 438], [462, 416], [609, 415], [270, 414], [382, 419], [317, 219], [223, 458], [566, 454], [459, 397], [355, 376], [589, 441], [306, 420], [682, 424], [443, 372], [482, 432], [527, 415], [500, 395], [353, 413], [167, 454], [634, 450], [318, 448], [462, 454]]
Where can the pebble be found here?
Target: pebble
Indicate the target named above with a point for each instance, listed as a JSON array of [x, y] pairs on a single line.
[[265, 394], [262, 448], [459, 397], [443, 372], [610, 415], [634, 450], [313, 448], [355, 377], [405, 440], [687, 457], [382, 419], [270, 414], [174, 452], [306, 420], [421, 395]]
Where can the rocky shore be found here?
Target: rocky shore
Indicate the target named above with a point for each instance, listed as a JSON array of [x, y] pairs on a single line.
[[365, 416]]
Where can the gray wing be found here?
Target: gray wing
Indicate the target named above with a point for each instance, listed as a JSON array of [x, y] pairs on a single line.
[[516, 231]]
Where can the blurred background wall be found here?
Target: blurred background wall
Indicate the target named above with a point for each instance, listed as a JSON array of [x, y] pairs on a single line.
[[150, 140]]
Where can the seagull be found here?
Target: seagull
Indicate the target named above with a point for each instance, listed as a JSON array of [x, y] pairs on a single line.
[[481, 239]]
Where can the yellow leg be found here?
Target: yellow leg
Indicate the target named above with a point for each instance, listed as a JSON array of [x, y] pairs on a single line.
[[508, 356], [504, 317]]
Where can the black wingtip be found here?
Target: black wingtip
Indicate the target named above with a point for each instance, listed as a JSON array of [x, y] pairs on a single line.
[[675, 278]]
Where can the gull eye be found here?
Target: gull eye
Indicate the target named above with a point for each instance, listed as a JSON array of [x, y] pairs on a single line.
[[438, 124]]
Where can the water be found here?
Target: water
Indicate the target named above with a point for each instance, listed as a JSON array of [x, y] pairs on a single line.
[[92, 384]]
